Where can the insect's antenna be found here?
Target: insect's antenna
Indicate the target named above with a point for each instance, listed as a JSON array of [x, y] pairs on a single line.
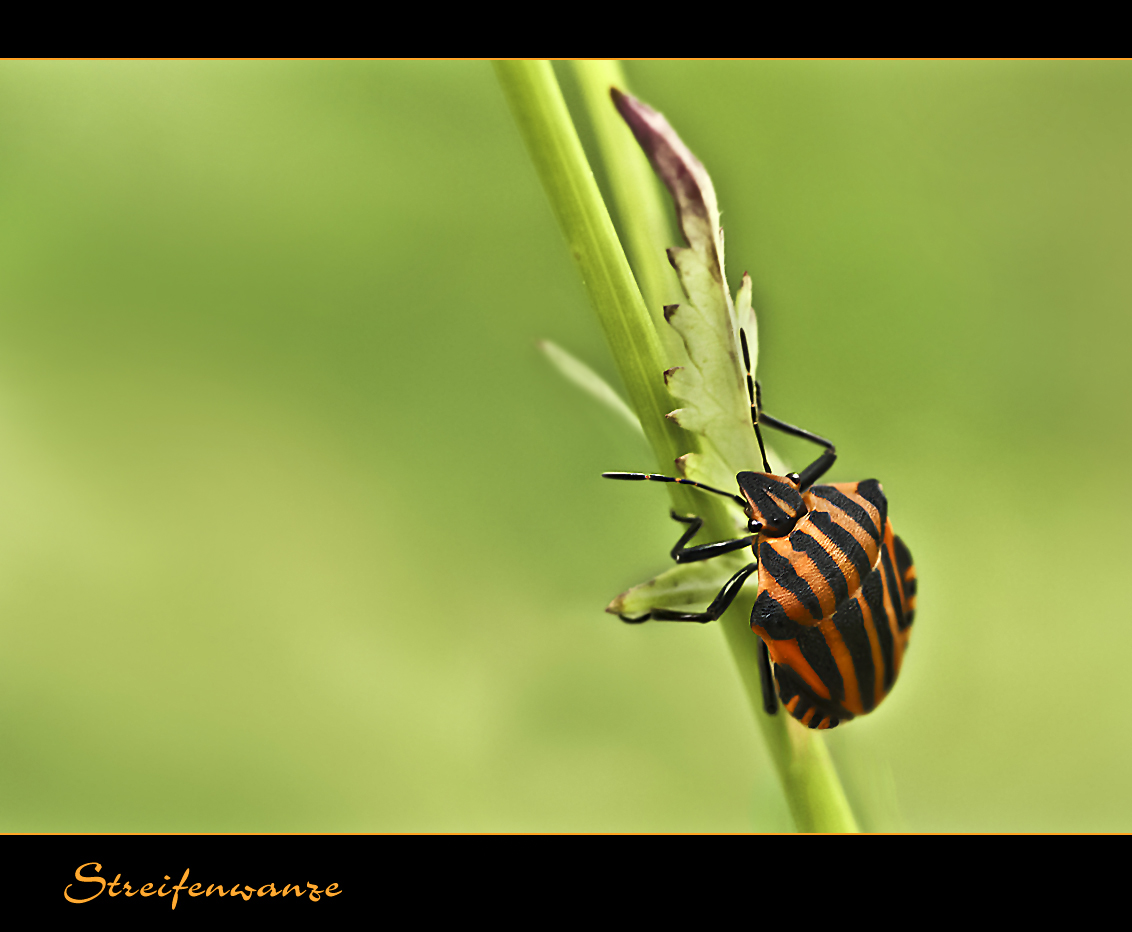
[[642, 476], [754, 392]]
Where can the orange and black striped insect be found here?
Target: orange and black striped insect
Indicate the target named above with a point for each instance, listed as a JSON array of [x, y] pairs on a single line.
[[837, 588]]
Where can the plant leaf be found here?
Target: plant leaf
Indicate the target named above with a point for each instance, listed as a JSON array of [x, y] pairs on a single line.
[[590, 382], [691, 584], [712, 387], [745, 320], [707, 467]]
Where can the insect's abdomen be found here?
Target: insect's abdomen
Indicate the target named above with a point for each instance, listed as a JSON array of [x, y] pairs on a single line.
[[836, 599]]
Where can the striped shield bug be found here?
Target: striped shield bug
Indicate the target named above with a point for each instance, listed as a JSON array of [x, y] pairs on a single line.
[[837, 588]]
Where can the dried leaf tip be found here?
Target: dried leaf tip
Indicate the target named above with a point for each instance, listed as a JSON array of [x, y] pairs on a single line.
[[680, 171]]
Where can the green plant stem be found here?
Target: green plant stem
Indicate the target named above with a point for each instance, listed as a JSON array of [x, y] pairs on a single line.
[[810, 783], [809, 780], [638, 199], [544, 122]]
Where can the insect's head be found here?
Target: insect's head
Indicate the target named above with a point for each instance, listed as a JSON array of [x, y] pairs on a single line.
[[774, 503]]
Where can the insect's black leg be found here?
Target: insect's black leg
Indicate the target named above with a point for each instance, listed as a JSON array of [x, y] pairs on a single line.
[[718, 606], [818, 467], [682, 554], [766, 678]]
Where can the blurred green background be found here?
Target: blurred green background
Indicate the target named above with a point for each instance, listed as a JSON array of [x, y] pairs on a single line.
[[298, 532]]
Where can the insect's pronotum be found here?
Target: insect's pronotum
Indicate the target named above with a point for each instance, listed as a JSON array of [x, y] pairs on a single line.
[[837, 588]]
